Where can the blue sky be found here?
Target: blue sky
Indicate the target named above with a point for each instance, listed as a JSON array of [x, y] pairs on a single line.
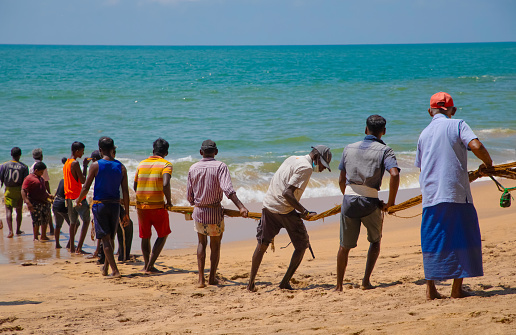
[[255, 22]]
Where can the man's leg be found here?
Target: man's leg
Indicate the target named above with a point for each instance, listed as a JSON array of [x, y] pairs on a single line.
[[73, 216], [257, 260], [35, 230], [431, 291], [146, 249], [107, 241], [84, 213], [51, 225], [156, 250], [372, 256], [201, 258], [342, 263], [215, 242], [19, 219], [57, 231], [129, 233], [45, 217], [9, 220], [457, 291], [295, 261]]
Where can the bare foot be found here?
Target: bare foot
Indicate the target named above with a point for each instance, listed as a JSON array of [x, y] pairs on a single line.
[[461, 294], [44, 238], [214, 281], [19, 232], [251, 287], [114, 276], [104, 270], [338, 288], [432, 295], [201, 283], [82, 252], [153, 270], [10, 235], [58, 246], [286, 287], [367, 286]]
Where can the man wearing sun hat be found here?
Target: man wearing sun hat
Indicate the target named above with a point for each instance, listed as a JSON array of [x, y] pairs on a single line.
[[450, 234], [281, 209]]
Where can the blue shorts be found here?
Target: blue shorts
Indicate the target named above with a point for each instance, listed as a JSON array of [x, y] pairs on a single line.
[[106, 217]]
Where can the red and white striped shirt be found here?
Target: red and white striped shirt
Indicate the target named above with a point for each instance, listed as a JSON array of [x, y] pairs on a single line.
[[207, 180]]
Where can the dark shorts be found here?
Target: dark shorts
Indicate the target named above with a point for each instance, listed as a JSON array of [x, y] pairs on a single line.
[[59, 206], [41, 213], [350, 228], [74, 212], [271, 223], [60, 217], [106, 217]]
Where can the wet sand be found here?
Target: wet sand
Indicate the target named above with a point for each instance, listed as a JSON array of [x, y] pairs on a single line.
[[67, 294]]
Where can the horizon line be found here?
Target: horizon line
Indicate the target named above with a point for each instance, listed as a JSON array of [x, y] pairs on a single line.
[[243, 45]]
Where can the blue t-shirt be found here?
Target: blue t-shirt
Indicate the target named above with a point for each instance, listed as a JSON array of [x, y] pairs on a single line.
[[108, 180], [443, 159]]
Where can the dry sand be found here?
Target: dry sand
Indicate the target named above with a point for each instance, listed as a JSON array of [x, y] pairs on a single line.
[[67, 295]]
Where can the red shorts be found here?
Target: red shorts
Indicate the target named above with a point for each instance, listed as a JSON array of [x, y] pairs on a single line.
[[157, 218]]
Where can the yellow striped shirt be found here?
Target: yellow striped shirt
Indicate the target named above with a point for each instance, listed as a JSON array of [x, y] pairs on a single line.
[[149, 179]]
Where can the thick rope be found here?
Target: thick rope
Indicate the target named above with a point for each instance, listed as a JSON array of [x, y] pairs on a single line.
[[503, 170]]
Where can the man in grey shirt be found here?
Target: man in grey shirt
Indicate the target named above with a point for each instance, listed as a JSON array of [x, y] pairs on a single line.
[[361, 170]]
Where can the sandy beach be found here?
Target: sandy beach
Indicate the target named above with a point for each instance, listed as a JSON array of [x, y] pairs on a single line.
[[55, 293]]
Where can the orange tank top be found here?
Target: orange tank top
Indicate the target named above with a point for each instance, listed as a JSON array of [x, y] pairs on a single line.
[[72, 187]]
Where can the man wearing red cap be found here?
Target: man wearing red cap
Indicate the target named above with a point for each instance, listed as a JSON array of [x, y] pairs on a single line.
[[450, 234]]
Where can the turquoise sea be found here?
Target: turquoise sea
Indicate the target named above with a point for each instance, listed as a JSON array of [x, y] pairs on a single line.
[[260, 104]]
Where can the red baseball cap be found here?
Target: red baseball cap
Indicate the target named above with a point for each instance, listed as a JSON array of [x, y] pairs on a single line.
[[441, 97]]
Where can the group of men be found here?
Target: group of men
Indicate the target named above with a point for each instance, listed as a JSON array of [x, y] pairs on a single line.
[[450, 234]]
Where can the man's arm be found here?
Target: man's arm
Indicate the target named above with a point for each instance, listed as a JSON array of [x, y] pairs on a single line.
[[291, 199], [26, 200], [166, 189], [125, 195], [189, 190], [342, 181], [77, 173], [85, 163], [243, 210], [86, 187], [481, 152], [394, 184]]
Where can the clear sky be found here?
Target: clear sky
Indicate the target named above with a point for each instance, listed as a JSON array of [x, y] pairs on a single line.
[[255, 22]]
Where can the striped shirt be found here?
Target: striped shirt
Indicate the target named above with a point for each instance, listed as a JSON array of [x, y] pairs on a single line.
[[208, 179], [149, 179]]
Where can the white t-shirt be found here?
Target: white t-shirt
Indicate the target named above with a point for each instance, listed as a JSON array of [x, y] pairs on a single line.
[[45, 172], [295, 171]]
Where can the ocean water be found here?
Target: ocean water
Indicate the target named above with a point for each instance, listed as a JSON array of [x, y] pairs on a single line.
[[260, 104]]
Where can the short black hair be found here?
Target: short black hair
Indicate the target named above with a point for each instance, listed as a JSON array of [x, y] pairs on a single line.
[[63, 160], [39, 166], [76, 146], [106, 143], [15, 152], [376, 123], [160, 147]]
